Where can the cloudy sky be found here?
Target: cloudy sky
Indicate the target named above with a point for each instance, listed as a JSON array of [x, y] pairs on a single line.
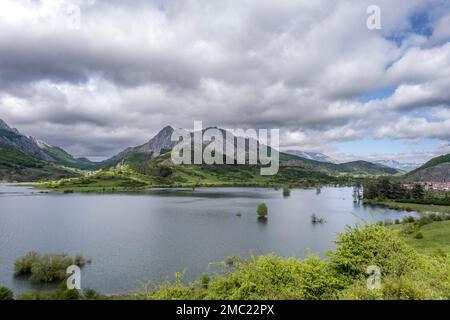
[[115, 74]]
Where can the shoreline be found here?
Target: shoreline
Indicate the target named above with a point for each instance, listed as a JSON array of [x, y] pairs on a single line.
[[421, 208]]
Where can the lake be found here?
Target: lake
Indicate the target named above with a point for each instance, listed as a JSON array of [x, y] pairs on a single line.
[[133, 238]]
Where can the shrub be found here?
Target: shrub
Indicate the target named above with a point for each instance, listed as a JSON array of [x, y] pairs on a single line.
[[408, 219], [359, 248], [403, 288], [262, 210], [286, 191], [424, 220], [204, 280], [46, 268], [91, 294], [272, 277], [23, 265], [419, 235], [6, 294], [414, 228]]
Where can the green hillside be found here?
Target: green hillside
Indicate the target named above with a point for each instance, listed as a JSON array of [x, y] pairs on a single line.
[[66, 159], [433, 162], [354, 167], [437, 170], [162, 172], [8, 134], [11, 157], [436, 236], [127, 157], [16, 165]]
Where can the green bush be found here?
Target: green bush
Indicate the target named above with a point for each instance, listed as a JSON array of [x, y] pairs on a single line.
[[408, 219], [23, 265], [359, 248], [6, 294], [61, 294], [419, 235], [46, 268], [286, 191], [262, 210]]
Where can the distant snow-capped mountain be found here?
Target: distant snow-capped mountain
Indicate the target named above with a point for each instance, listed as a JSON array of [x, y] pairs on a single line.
[[311, 155], [404, 166]]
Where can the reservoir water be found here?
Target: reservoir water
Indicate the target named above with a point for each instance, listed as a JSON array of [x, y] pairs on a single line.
[[134, 238]]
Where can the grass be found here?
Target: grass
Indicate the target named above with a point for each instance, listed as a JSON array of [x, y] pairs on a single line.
[[410, 206], [436, 235]]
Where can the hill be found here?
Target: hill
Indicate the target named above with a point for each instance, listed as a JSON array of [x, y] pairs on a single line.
[[60, 156], [37, 149], [15, 165], [435, 170], [359, 167], [15, 139]]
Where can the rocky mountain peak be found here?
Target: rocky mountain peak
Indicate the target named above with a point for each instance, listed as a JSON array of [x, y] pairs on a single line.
[[26, 144], [3, 125], [162, 141]]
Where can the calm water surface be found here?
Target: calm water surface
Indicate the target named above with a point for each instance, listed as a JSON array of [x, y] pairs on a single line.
[[149, 236]]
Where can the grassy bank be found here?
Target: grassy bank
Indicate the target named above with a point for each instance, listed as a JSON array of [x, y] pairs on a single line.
[[409, 206], [436, 237]]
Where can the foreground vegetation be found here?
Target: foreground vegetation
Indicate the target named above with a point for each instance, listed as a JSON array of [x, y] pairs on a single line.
[[405, 274]]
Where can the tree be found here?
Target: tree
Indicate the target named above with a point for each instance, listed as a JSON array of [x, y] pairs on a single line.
[[6, 294], [384, 189], [262, 210], [370, 190], [286, 191], [417, 192], [398, 191]]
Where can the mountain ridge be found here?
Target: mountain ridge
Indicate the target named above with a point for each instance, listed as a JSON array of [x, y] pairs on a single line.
[[434, 170], [311, 155], [403, 166], [161, 142]]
